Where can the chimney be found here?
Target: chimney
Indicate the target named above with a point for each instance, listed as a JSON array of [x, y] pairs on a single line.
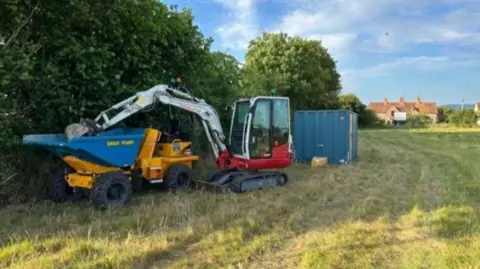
[[419, 101], [385, 101], [402, 100]]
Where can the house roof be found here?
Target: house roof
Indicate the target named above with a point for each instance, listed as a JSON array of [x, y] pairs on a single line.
[[422, 107]]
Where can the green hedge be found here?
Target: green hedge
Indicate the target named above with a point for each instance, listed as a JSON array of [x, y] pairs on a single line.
[[64, 60]]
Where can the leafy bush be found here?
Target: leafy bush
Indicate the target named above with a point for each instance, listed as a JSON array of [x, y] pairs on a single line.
[[444, 114], [369, 119], [463, 118], [417, 120], [366, 117], [52, 74]]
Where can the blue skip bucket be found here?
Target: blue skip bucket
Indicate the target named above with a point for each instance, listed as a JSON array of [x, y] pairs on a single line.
[[117, 147]]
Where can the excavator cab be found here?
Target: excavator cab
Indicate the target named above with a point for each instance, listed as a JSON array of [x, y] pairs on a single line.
[[260, 132], [259, 139]]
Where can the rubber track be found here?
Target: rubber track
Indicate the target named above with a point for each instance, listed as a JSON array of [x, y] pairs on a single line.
[[236, 185]]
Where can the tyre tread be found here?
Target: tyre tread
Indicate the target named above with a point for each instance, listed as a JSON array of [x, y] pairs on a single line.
[[102, 184], [173, 172]]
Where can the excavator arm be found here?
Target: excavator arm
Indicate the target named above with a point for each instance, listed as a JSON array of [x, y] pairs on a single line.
[[144, 100]]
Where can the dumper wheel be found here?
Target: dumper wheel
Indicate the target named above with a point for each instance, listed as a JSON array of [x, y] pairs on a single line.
[[111, 189], [179, 176], [60, 191]]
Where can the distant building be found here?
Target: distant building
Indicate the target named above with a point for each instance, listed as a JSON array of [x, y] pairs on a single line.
[[386, 110], [477, 110]]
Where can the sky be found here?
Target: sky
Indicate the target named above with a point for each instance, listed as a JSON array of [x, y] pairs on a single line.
[[383, 48]]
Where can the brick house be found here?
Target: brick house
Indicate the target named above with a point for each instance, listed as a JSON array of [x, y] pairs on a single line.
[[385, 110]]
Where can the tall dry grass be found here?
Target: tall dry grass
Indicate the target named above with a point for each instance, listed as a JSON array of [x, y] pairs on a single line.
[[411, 201]]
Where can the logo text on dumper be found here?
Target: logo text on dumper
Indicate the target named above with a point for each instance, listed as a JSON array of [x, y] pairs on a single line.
[[117, 143]]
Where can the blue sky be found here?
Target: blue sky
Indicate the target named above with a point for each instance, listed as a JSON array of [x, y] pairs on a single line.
[[384, 48]]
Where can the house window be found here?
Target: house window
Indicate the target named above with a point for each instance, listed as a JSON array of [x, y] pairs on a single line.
[[392, 113]]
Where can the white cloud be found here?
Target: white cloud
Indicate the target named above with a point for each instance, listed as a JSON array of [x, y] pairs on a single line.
[[385, 25], [422, 63], [236, 33], [350, 83], [337, 44], [390, 31]]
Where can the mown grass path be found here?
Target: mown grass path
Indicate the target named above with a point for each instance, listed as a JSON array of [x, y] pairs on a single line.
[[411, 201]]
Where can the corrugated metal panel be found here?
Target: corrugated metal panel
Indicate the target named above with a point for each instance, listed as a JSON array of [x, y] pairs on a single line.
[[326, 133]]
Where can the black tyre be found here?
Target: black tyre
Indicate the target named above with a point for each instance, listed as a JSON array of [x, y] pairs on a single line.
[[60, 191], [179, 176], [111, 189]]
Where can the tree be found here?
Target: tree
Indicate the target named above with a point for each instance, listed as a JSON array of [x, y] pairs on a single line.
[[298, 68], [370, 119], [351, 102], [417, 120], [465, 118], [444, 114], [366, 117]]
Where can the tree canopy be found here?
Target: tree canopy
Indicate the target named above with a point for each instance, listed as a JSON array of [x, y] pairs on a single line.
[[366, 117], [444, 113], [299, 68]]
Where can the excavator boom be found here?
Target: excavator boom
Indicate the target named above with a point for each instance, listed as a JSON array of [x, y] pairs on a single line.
[[144, 100]]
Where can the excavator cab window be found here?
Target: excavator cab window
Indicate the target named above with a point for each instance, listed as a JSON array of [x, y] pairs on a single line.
[[263, 131], [270, 129], [238, 127], [281, 122], [260, 130]]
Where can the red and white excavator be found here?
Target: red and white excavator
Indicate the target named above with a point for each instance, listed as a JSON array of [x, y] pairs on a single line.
[[259, 137]]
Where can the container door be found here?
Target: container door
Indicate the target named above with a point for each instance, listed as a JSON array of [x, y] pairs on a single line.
[[318, 128], [328, 135], [350, 131], [340, 137], [355, 138], [305, 135]]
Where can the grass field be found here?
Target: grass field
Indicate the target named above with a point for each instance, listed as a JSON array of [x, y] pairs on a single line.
[[411, 201]]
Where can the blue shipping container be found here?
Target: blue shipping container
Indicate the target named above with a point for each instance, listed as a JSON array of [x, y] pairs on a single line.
[[326, 133]]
